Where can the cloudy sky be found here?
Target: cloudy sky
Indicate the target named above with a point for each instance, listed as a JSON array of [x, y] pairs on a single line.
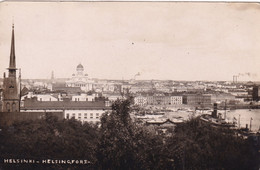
[[115, 40]]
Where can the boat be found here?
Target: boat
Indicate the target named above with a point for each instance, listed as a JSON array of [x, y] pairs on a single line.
[[215, 121]]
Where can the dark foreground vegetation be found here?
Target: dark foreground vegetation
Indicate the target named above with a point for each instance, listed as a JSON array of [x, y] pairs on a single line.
[[121, 144]]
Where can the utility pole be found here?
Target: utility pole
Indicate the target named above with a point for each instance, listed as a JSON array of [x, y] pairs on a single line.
[[251, 123]]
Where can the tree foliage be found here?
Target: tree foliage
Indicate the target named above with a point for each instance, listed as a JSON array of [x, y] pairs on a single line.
[[196, 145], [50, 138], [125, 145]]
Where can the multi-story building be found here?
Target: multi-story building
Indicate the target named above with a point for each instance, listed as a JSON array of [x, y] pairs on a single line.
[[140, 100], [197, 99], [91, 116], [176, 100], [149, 99], [159, 99], [85, 111]]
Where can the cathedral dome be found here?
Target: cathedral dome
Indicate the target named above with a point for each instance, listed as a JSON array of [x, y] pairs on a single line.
[[80, 66]]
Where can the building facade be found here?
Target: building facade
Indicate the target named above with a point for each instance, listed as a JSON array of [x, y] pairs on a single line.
[[140, 100], [197, 100], [80, 80], [90, 116], [84, 111], [176, 100]]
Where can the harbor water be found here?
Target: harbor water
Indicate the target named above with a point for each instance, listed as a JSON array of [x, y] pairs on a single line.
[[241, 116], [246, 116]]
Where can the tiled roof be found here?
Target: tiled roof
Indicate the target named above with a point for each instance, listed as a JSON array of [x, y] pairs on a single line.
[[68, 89], [64, 105]]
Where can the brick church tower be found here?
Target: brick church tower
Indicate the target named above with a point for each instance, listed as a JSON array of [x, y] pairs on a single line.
[[11, 97]]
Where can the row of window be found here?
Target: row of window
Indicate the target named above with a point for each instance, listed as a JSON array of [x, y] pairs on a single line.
[[85, 116], [82, 99], [80, 85]]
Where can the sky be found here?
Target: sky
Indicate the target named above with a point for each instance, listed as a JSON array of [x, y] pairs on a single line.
[[116, 40]]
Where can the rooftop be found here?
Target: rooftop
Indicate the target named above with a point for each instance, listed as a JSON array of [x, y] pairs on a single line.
[[64, 105]]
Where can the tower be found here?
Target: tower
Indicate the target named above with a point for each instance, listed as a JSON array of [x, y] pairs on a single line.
[[10, 88], [52, 75]]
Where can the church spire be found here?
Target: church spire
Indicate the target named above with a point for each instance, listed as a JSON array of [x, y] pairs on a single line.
[[12, 64]]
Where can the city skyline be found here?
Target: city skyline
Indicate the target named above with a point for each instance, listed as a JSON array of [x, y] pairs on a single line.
[[158, 40]]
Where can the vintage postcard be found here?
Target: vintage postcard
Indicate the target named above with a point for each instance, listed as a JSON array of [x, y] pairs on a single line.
[[129, 85]]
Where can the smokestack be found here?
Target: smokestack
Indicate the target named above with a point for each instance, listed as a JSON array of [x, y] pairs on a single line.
[[235, 79]]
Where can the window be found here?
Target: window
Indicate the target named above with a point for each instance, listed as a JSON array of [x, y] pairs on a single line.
[[91, 115], [14, 107], [73, 115], [79, 116], [8, 107], [97, 115], [67, 116], [85, 115]]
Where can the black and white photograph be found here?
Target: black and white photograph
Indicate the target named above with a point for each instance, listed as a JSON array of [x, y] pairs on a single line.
[[129, 85]]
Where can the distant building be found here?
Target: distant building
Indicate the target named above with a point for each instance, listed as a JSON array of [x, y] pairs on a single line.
[[84, 97], [80, 80], [221, 97], [197, 99], [238, 92], [158, 99], [256, 93], [40, 97], [164, 89], [108, 87], [176, 100], [62, 88], [11, 99], [140, 100]]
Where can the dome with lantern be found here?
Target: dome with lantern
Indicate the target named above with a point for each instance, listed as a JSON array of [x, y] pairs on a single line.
[[80, 67]]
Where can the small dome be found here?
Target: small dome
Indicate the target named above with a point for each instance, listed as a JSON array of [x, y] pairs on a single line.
[[80, 66]]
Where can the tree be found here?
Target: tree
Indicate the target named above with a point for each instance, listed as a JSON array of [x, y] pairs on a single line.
[[49, 138], [124, 145], [196, 145]]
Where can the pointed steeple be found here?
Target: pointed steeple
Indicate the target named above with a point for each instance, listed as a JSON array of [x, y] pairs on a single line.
[[12, 64]]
